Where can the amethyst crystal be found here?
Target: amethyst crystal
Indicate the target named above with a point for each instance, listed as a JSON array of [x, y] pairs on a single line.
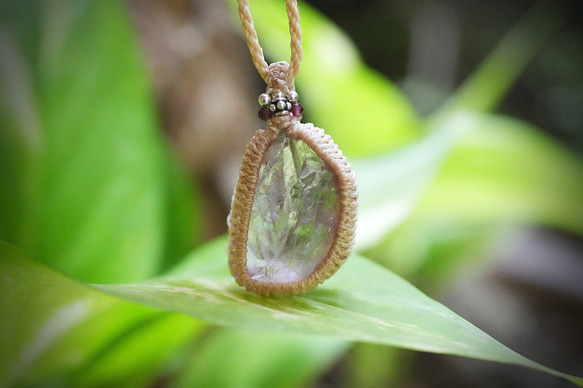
[[295, 213]]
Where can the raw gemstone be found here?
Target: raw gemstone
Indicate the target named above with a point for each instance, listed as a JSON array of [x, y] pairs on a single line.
[[294, 215]]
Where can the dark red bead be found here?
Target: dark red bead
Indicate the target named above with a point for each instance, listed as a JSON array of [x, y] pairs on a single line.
[[265, 114], [296, 109]]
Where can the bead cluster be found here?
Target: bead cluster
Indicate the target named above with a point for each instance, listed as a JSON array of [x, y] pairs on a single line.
[[279, 104]]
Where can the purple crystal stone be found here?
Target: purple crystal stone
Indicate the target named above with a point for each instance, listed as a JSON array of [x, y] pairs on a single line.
[[265, 114], [295, 213], [296, 109]]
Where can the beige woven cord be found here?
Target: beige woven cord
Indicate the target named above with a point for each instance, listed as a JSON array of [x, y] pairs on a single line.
[[255, 48]]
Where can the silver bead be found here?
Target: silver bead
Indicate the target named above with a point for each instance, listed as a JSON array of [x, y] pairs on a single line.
[[278, 96], [293, 96], [264, 99], [287, 105], [281, 105], [272, 107]]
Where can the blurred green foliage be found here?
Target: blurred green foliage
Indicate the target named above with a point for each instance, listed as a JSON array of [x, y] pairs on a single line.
[[81, 143], [88, 186]]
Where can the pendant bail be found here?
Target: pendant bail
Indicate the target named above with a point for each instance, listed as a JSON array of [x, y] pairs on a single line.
[[280, 98], [277, 79]]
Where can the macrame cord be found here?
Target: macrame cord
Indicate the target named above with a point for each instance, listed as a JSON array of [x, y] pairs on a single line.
[[255, 48], [282, 112]]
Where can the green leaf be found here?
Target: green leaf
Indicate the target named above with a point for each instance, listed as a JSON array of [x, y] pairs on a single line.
[[138, 358], [502, 171], [182, 228], [376, 366], [85, 180], [20, 142], [391, 184], [239, 358], [56, 329], [102, 152], [506, 169], [50, 324], [360, 109], [362, 302]]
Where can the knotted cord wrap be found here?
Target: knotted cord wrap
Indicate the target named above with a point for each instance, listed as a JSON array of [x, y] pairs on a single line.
[[278, 78], [242, 204], [255, 48]]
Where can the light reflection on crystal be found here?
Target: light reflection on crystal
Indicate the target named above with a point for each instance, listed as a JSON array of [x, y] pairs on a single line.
[[295, 213]]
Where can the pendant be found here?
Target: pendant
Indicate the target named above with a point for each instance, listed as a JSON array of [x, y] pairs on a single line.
[[293, 215]]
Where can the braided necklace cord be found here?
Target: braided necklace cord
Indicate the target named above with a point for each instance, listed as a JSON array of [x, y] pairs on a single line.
[[304, 266], [253, 42]]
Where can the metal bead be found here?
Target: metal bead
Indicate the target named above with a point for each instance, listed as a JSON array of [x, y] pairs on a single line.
[[278, 96], [288, 105], [272, 107], [281, 105], [264, 99], [293, 96]]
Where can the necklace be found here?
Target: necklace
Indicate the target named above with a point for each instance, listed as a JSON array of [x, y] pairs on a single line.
[[293, 214]]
